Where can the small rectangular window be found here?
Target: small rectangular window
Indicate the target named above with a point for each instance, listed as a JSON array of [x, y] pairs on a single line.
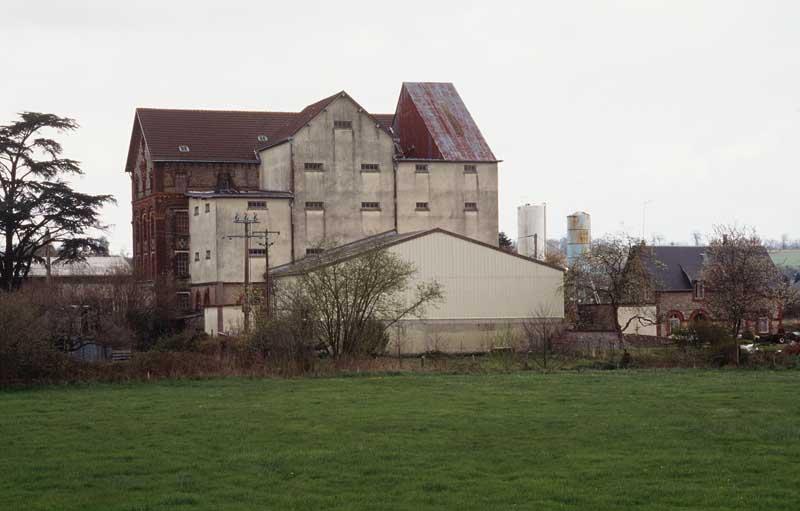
[[313, 166], [256, 204], [422, 206], [370, 167], [196, 256], [422, 168], [196, 210], [315, 205], [370, 205], [470, 206], [343, 125], [313, 251], [470, 169], [699, 290], [208, 207], [258, 252], [208, 254], [183, 148]]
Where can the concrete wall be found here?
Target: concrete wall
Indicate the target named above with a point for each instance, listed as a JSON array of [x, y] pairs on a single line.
[[455, 336], [209, 231], [341, 184], [446, 187], [232, 319], [636, 327], [276, 168]]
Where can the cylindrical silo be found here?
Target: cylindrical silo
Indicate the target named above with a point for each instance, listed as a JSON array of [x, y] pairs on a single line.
[[579, 234], [532, 230]]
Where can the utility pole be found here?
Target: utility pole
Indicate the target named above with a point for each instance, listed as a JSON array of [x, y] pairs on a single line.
[[267, 290], [246, 220]]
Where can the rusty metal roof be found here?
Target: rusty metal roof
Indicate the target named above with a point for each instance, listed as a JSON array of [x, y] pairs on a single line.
[[433, 123]]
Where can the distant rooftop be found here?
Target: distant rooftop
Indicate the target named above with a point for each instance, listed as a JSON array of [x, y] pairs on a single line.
[[89, 267]]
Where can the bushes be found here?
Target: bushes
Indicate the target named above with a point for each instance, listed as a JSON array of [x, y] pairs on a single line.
[[25, 351], [186, 340]]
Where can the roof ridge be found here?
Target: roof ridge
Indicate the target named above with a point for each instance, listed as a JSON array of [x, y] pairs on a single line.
[[207, 110]]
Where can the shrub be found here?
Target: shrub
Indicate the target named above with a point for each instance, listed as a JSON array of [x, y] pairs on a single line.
[[284, 340], [701, 334], [186, 340]]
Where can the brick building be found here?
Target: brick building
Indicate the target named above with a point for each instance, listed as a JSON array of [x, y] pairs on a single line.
[[331, 172], [680, 296]]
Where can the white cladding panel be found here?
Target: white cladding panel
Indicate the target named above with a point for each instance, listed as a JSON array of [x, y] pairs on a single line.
[[480, 282], [532, 231]]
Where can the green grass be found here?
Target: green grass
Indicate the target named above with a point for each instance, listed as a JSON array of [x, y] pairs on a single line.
[[595, 441]]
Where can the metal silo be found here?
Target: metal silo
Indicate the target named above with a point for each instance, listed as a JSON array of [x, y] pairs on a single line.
[[532, 230], [579, 234]]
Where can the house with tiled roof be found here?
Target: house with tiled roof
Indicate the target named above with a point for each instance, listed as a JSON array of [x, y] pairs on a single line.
[[331, 172], [680, 295]]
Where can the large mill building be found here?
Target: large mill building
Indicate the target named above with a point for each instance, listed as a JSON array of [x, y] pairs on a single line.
[[331, 172]]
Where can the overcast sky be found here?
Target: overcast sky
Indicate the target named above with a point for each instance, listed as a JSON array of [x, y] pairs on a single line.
[[596, 106]]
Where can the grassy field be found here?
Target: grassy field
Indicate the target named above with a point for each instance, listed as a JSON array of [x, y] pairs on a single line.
[[595, 441]]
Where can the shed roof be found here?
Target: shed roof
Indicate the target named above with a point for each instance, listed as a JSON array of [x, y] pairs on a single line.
[[377, 242]]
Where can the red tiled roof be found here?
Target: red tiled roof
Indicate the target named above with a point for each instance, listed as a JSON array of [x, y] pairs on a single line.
[[232, 136], [385, 120], [212, 135], [433, 122]]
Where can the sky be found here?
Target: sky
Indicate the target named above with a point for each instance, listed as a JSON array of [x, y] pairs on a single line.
[[686, 111]]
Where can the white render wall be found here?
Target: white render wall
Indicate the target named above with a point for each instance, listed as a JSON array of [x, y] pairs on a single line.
[[446, 187], [341, 185], [209, 231]]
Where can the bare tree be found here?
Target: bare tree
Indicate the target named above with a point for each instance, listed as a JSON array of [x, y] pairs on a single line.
[[355, 301], [614, 272], [697, 236], [740, 279], [541, 330]]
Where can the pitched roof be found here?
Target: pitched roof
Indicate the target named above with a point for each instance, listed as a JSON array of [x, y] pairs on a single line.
[[307, 114], [432, 122], [212, 135], [376, 242], [230, 136], [674, 268]]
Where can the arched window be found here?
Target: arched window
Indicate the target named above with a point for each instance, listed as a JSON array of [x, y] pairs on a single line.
[[699, 316], [207, 298], [197, 303], [674, 321]]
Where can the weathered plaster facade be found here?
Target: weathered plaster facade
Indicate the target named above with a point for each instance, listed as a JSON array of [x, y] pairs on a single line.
[[345, 174]]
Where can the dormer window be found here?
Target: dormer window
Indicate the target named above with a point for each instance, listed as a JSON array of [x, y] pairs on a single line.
[[699, 290], [263, 138], [183, 148]]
